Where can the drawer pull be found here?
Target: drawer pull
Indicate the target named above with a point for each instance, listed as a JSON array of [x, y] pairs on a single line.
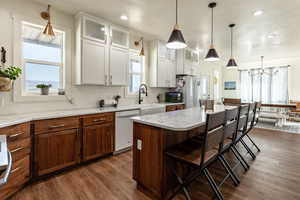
[[15, 135], [99, 120], [17, 149], [15, 170], [57, 126]]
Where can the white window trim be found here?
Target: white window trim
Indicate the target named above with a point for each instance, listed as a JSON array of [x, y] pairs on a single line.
[[18, 95], [135, 54]]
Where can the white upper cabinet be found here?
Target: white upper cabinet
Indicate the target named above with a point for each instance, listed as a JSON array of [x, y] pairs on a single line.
[[102, 52], [93, 60], [162, 65], [187, 61], [119, 59]]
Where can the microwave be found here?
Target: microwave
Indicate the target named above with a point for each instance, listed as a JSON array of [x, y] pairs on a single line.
[[174, 97]]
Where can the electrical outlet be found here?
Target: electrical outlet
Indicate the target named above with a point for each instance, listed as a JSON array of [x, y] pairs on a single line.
[[139, 144]]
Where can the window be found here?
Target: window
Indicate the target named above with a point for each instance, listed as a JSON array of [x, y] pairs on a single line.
[[43, 59], [135, 73], [268, 87]]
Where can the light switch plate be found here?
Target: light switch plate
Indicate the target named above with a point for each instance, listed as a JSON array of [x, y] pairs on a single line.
[[139, 144]]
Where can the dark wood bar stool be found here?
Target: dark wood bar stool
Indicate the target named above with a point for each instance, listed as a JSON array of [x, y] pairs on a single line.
[[244, 131], [231, 124], [253, 119], [230, 132], [198, 156], [241, 128], [208, 104]]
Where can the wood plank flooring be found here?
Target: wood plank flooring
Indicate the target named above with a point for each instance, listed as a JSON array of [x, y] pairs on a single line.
[[274, 175]]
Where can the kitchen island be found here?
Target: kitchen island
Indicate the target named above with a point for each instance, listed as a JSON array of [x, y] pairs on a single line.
[[152, 135]]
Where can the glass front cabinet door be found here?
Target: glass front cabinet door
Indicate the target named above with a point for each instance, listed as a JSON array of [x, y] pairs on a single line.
[[119, 37], [94, 29]]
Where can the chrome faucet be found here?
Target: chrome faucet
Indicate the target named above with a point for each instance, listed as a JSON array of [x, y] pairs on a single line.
[[142, 90]]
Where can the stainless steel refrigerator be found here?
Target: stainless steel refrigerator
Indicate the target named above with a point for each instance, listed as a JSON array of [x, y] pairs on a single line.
[[194, 88]]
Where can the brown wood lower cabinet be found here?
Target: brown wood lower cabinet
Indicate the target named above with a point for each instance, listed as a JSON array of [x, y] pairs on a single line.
[[175, 107], [98, 140], [56, 150], [19, 144]]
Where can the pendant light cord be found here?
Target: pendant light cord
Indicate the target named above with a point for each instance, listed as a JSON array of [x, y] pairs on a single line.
[[231, 40], [212, 27], [176, 12]]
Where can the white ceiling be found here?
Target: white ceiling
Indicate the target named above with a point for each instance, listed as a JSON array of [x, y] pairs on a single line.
[[157, 18]]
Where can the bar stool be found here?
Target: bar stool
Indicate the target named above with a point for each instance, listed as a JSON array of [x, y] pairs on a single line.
[[208, 104], [231, 125], [253, 116], [198, 156], [241, 128]]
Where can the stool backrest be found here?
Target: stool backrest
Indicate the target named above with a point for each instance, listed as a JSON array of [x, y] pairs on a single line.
[[243, 118], [214, 132], [228, 101], [251, 115], [257, 112], [231, 122], [208, 104]]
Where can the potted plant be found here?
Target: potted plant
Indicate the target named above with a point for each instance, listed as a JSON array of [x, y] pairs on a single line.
[[7, 75], [44, 88]]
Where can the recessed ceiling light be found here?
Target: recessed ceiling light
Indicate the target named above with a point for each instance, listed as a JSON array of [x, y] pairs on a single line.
[[124, 17], [258, 13]]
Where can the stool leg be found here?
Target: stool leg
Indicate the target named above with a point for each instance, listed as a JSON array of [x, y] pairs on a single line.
[[233, 176], [248, 149], [213, 184], [258, 149], [235, 151]]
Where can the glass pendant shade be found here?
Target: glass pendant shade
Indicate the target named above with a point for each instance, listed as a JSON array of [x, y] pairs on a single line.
[[176, 40], [212, 55]]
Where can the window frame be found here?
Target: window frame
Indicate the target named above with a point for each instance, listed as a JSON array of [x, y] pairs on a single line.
[[17, 60], [134, 55], [43, 62]]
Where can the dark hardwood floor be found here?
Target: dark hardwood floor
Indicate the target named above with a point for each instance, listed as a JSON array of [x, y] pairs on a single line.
[[274, 175]]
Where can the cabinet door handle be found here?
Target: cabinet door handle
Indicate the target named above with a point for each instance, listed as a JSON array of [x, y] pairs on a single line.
[[15, 135], [15, 170], [17, 149], [111, 79], [99, 120], [57, 126], [105, 81]]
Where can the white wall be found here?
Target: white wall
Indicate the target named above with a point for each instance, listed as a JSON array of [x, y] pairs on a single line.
[[84, 96], [294, 74]]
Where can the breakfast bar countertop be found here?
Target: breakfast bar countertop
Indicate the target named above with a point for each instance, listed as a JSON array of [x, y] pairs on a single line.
[[180, 120]]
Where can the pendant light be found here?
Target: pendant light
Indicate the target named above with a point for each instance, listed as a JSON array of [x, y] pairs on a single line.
[[176, 40], [48, 31], [231, 63], [212, 54]]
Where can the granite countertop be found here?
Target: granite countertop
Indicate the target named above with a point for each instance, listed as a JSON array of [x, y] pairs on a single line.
[[180, 120], [8, 120]]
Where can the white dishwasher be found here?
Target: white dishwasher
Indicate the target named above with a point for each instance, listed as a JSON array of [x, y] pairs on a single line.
[[124, 130]]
